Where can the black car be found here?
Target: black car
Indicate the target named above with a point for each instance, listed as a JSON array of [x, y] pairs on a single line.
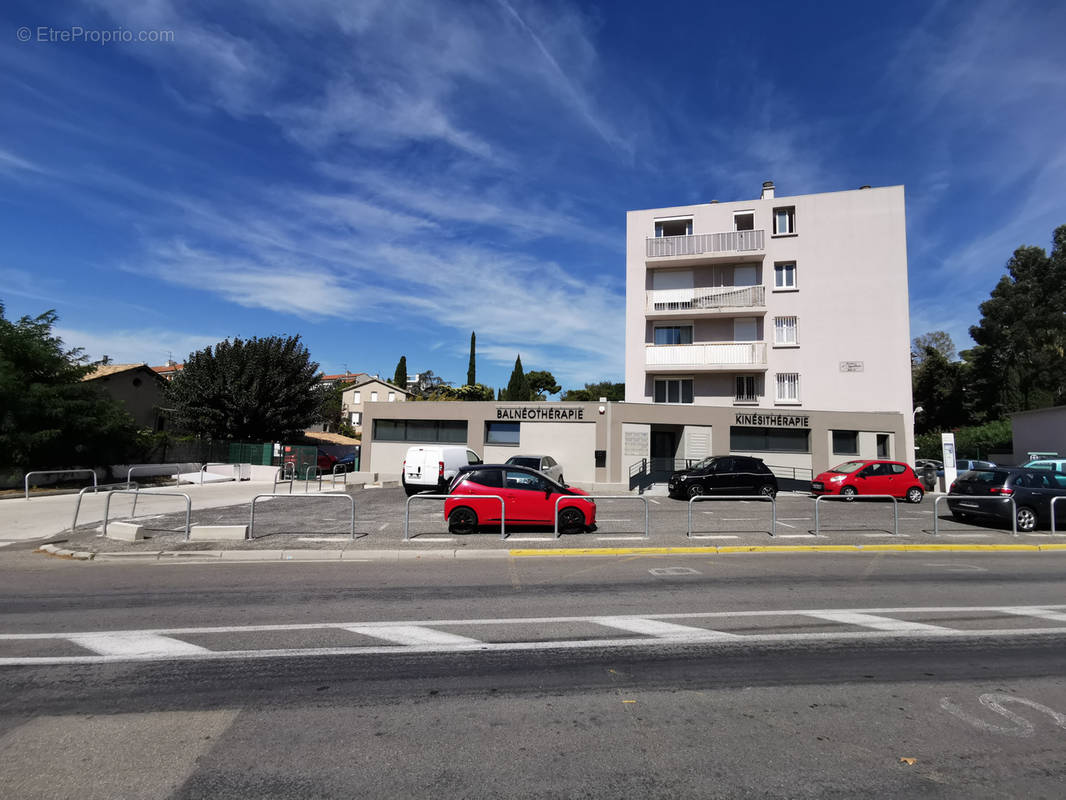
[[724, 475], [1031, 489]]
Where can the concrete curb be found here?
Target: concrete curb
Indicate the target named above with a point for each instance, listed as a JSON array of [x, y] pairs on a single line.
[[396, 556]]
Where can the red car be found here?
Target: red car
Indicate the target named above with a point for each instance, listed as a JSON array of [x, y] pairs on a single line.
[[870, 477], [529, 498]]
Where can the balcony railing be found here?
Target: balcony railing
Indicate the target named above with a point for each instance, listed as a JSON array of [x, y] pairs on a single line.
[[706, 356], [706, 299], [705, 244]]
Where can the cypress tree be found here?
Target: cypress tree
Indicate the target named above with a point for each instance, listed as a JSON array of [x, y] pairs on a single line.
[[471, 376], [400, 378], [518, 386]]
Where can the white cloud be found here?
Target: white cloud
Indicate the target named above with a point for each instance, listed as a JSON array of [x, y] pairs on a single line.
[[149, 345]]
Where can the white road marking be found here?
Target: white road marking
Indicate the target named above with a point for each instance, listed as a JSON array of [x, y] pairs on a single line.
[[5, 544], [660, 629], [735, 519], [410, 634], [618, 538], [779, 522], [802, 536], [795, 519], [965, 535], [883, 535], [135, 644], [652, 500], [875, 622], [1041, 613], [531, 538], [435, 538], [1022, 727], [383, 526], [714, 536], [338, 538]]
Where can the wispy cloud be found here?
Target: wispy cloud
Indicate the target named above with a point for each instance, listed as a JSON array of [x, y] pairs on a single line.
[[135, 346]]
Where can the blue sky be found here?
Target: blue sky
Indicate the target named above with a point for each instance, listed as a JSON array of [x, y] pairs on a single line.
[[385, 177]]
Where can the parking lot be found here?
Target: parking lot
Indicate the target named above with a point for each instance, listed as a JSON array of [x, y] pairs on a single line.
[[324, 521]]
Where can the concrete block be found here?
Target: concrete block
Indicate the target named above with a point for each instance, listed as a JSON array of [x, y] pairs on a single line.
[[125, 531], [217, 533]]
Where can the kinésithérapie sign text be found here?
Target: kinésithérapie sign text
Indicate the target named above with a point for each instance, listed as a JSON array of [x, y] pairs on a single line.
[[774, 420]]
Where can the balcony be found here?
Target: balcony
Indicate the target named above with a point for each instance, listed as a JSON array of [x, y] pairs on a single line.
[[717, 357], [705, 248], [715, 300]]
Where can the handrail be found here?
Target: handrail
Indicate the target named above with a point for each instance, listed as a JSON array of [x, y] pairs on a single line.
[[278, 476], [56, 472], [251, 518], [1000, 499], [307, 477], [593, 498], [77, 502], [849, 498], [344, 471], [699, 497], [136, 492], [407, 509]]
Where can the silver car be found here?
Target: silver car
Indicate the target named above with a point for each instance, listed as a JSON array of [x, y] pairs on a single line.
[[546, 464]]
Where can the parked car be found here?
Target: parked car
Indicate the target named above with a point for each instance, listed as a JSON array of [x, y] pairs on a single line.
[[347, 461], [326, 461], [864, 476], [922, 463], [546, 464], [724, 475], [1031, 489], [433, 466], [1056, 464], [529, 498], [965, 465]]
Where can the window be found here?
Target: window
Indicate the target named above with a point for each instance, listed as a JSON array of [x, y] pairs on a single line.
[[673, 334], [487, 477], [747, 389], [373, 397], [673, 227], [784, 220], [525, 480], [673, 390], [357, 397], [501, 432], [786, 330], [788, 387], [357, 418], [777, 440], [785, 275], [392, 397], [882, 446], [845, 443], [744, 221], [419, 430]]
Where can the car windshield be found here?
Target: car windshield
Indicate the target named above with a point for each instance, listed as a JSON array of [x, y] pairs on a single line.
[[847, 466], [522, 461]]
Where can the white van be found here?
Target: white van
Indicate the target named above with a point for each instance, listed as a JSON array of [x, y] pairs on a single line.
[[433, 466]]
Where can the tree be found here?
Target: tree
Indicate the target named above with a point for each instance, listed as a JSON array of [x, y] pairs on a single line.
[[592, 392], [518, 386], [255, 390], [476, 392], [938, 388], [542, 383], [49, 417], [1018, 363], [400, 377], [331, 406], [938, 340], [471, 371], [426, 385]]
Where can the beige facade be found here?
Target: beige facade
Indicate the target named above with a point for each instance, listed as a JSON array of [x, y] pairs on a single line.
[[367, 390], [602, 444], [137, 387], [1040, 431], [780, 304]]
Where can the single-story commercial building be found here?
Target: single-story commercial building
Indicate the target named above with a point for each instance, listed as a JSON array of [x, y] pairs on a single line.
[[1038, 433], [613, 446]]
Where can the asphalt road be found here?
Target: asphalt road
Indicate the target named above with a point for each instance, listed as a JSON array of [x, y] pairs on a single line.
[[725, 676]]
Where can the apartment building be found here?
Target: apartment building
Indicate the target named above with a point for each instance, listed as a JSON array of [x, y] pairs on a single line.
[[773, 307]]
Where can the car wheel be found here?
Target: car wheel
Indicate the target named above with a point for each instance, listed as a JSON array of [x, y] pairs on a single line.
[[1026, 519], [695, 490], [915, 495], [410, 490], [571, 520], [462, 520], [767, 490], [848, 493]]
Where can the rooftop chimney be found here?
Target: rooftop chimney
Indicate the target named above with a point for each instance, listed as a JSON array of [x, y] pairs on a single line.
[[767, 190]]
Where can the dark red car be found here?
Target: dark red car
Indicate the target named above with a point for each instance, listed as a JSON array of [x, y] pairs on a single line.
[[863, 476], [529, 498]]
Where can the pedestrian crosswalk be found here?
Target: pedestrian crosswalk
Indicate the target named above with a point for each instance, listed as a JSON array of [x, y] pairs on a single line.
[[713, 629]]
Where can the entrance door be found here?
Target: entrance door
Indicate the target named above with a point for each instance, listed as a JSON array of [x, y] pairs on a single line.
[[663, 449]]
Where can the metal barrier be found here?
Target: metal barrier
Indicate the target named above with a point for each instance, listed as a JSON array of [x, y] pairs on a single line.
[[290, 469], [593, 498], [1013, 510], [278, 476], [1053, 499], [407, 509], [136, 492], [307, 477], [129, 472], [77, 502], [333, 479], [849, 498], [203, 469], [57, 472], [761, 497], [251, 518]]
